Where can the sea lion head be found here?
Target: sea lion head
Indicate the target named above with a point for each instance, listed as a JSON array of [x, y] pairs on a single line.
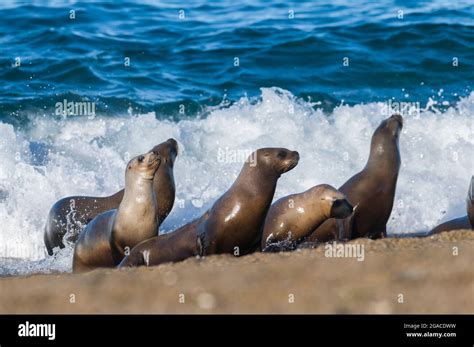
[[335, 203], [168, 151], [144, 165], [391, 126], [385, 138], [274, 160]]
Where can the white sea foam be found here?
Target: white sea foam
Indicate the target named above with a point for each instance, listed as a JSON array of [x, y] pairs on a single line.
[[52, 159]]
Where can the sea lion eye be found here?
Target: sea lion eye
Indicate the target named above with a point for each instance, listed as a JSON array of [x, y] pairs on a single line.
[[140, 158], [281, 154]]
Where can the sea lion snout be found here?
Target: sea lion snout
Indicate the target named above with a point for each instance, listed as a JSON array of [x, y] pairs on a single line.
[[173, 142], [397, 118], [292, 160], [393, 124], [168, 151], [152, 160], [341, 208], [173, 146], [152, 157], [279, 160]]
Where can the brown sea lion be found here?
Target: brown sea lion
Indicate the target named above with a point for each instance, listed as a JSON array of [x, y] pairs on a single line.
[[106, 238], [233, 224], [295, 216], [69, 216], [466, 222], [371, 191]]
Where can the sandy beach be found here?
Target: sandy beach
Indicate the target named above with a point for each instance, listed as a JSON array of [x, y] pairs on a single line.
[[408, 275]]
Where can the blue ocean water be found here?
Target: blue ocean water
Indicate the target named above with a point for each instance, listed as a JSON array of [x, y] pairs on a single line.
[[218, 76], [185, 53]]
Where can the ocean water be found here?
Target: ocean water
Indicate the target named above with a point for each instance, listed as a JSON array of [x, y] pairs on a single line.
[[222, 77]]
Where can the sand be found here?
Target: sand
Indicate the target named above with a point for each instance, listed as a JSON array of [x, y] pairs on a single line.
[[409, 275]]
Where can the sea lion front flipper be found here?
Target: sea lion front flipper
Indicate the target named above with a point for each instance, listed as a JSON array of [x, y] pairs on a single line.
[[346, 231], [345, 234], [379, 234]]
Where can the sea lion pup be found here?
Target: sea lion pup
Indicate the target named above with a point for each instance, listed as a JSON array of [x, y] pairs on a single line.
[[233, 224], [68, 216], [371, 191], [466, 222], [106, 238], [295, 216]]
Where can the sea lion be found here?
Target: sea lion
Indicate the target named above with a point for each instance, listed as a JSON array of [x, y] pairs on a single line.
[[233, 224], [105, 239], [371, 191], [466, 222], [295, 216], [68, 216]]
